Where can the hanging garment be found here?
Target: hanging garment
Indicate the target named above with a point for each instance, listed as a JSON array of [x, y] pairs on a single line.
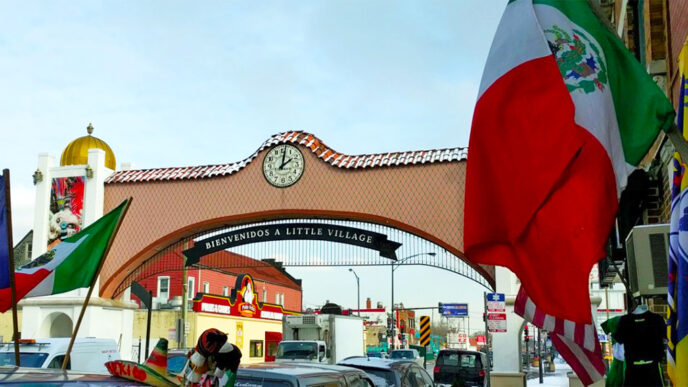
[[643, 338], [615, 372]]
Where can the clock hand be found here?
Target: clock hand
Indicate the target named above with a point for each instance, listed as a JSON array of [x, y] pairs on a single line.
[[287, 162], [284, 154]]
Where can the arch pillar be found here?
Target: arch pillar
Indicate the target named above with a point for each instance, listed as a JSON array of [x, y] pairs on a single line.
[[506, 369]]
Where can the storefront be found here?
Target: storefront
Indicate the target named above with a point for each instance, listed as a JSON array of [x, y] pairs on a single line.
[[253, 326]]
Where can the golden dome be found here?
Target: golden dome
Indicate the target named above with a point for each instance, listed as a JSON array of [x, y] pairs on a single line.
[[76, 153]]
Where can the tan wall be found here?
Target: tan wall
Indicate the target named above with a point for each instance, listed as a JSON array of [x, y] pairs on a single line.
[[6, 328], [424, 199], [163, 320], [253, 329], [161, 323]]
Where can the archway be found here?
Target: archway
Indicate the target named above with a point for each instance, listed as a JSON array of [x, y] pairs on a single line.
[[419, 192], [56, 324]]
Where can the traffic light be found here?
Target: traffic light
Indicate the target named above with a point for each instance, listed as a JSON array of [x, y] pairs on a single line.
[[525, 331], [439, 307]]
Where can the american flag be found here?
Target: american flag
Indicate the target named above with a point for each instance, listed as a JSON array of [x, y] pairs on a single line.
[[577, 343]]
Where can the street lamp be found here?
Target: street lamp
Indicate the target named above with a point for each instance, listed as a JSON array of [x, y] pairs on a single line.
[[358, 287], [395, 265]]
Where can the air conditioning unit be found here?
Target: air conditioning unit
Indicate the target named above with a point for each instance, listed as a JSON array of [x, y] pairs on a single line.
[[647, 251]]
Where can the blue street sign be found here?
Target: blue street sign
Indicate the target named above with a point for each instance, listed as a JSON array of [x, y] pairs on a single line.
[[496, 297], [454, 310]]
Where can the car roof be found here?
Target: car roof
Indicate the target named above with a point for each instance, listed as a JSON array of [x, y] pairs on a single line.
[[296, 369], [19, 375], [463, 351], [374, 362]]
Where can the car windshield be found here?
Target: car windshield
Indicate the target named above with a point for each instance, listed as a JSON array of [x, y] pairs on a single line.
[[242, 381], [401, 355], [27, 359], [296, 350], [387, 375], [457, 359]]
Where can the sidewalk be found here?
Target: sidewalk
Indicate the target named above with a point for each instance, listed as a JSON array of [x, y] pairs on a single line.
[[556, 379]]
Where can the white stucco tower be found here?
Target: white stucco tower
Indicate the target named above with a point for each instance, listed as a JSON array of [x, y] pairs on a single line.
[[85, 164]]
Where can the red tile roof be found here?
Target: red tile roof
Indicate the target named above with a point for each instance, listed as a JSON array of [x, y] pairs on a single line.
[[308, 140]]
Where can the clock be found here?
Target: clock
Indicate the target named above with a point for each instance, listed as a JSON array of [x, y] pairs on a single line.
[[283, 165]]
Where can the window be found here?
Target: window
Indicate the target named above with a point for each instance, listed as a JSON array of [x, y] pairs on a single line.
[[256, 349], [277, 298], [57, 362], [265, 295], [190, 288], [164, 288], [281, 299], [206, 287], [225, 291]]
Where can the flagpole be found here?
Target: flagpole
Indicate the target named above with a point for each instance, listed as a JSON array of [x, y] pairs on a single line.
[[679, 142], [10, 252], [93, 282]]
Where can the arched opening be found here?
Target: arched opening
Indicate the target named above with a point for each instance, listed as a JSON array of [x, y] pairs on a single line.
[[56, 324]]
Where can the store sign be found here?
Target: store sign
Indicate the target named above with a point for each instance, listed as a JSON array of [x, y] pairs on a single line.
[[292, 231], [454, 310], [496, 322], [496, 302], [463, 338], [242, 302], [480, 340]]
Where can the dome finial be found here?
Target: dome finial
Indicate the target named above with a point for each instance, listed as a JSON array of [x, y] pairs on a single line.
[[89, 128]]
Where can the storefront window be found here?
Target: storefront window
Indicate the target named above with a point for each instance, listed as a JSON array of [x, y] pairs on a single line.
[[256, 348]]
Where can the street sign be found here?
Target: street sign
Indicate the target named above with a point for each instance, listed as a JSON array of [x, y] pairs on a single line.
[[454, 310], [496, 302], [496, 322], [424, 331]]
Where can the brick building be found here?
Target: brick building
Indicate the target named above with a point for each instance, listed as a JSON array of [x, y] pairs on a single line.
[[273, 284]]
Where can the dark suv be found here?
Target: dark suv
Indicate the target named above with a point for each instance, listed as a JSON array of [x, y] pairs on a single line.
[[461, 368]]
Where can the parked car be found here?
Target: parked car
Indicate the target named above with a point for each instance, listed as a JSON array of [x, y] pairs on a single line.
[[467, 367], [390, 372], [299, 374], [88, 354], [406, 354], [22, 376]]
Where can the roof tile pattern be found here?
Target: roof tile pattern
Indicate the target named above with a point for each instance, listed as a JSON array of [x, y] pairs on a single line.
[[308, 140]]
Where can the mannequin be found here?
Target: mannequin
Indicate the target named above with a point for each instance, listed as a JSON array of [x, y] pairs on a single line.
[[642, 334], [640, 309]]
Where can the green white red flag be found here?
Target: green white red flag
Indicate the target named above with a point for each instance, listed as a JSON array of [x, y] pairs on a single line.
[[70, 265], [564, 114]]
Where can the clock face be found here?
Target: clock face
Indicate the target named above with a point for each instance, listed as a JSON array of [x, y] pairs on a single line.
[[283, 165]]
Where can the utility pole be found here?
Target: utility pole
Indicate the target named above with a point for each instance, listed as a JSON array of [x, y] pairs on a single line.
[[539, 357], [487, 339], [185, 281]]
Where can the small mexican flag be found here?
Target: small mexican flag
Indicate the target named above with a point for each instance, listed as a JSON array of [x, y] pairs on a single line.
[[70, 265]]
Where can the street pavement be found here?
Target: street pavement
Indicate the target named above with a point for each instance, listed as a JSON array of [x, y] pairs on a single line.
[[558, 378]]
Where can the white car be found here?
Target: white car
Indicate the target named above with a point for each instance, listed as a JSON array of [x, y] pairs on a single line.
[[406, 354], [88, 354]]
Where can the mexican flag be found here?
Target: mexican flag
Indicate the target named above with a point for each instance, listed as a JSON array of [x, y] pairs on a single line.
[[564, 114], [72, 264]]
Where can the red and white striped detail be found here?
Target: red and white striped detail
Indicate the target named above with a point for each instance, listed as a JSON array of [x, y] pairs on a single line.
[[308, 140], [577, 343]]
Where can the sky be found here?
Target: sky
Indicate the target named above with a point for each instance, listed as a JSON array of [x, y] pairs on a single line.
[[171, 83]]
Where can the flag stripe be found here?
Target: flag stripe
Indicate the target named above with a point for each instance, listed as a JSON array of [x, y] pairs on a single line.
[[577, 343], [507, 54], [70, 265]]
